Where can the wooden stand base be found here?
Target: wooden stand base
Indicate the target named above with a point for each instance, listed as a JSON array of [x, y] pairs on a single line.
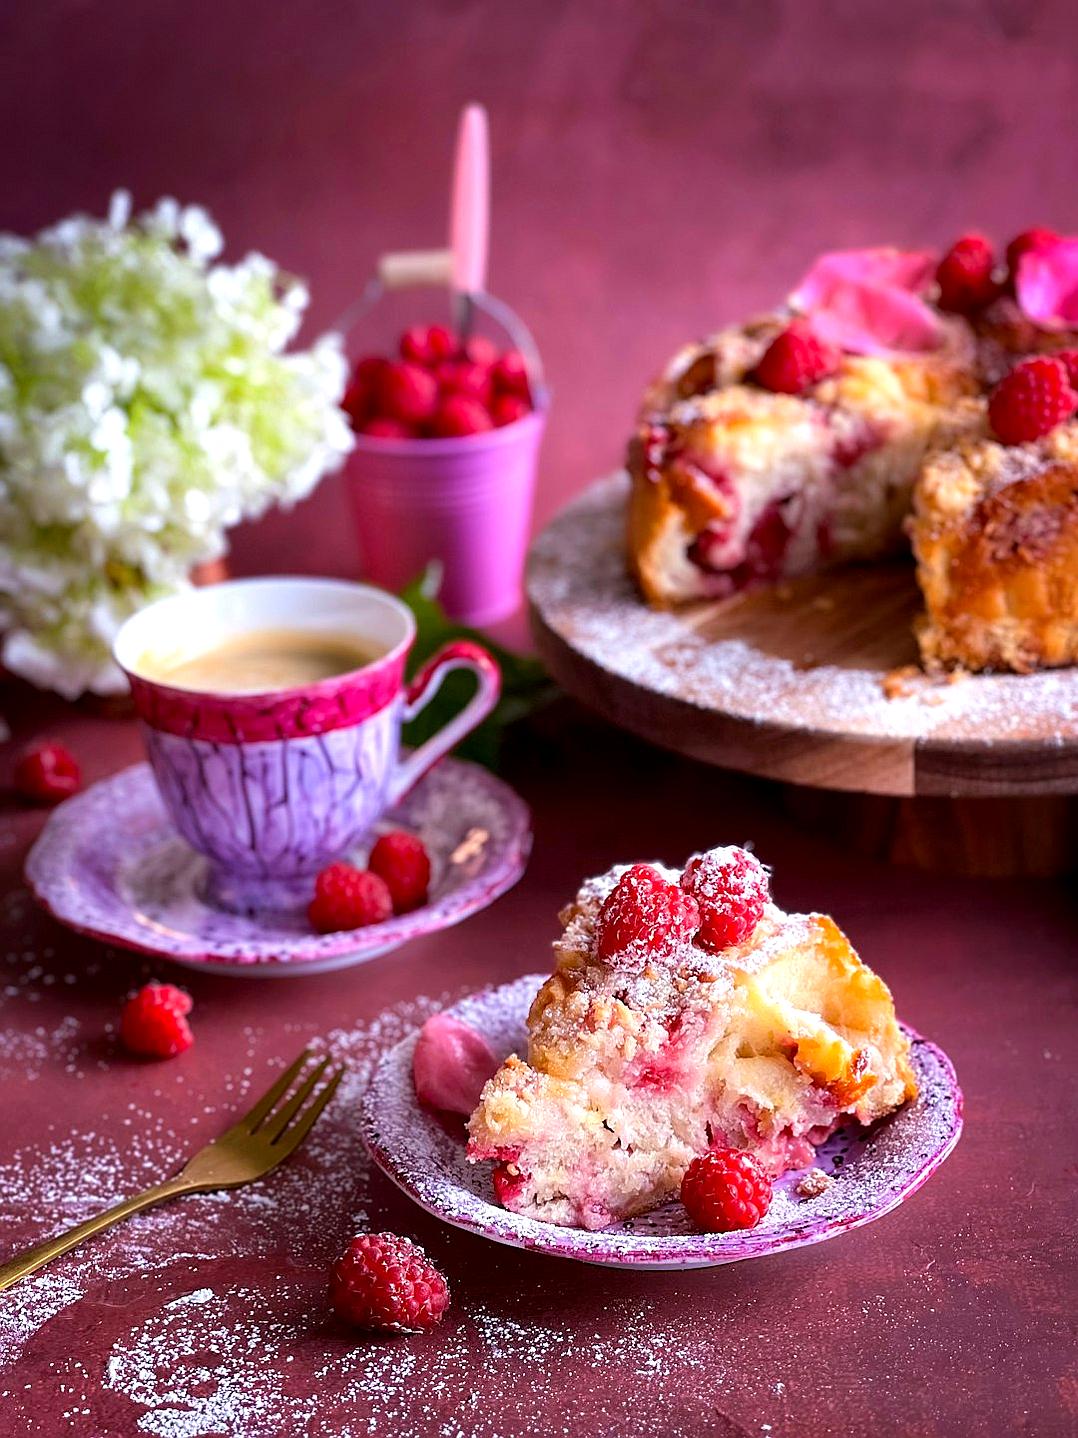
[[980, 838], [809, 682]]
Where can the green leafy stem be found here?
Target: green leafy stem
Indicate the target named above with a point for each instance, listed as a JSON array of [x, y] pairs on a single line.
[[525, 683]]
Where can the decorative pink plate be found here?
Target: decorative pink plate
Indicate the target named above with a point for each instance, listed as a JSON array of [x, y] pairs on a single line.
[[874, 1170], [109, 864]]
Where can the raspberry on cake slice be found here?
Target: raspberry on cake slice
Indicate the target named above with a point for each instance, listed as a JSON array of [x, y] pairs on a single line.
[[653, 1044], [995, 529]]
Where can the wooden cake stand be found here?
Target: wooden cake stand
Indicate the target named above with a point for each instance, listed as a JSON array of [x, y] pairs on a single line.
[[815, 683]]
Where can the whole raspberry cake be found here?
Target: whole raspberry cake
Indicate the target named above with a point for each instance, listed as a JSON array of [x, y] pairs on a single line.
[[686, 1013], [798, 441]]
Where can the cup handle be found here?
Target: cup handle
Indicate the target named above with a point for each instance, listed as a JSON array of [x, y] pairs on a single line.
[[461, 654]]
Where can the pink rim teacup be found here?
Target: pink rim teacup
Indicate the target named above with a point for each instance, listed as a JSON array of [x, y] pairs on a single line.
[[271, 787]]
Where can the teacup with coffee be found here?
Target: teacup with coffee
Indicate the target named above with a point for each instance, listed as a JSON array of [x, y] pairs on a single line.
[[272, 711]]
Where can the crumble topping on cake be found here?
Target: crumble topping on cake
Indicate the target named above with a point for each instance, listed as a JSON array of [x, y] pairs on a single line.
[[814, 1183], [979, 465], [995, 535]]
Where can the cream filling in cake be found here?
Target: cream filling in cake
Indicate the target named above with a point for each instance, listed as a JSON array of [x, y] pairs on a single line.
[[630, 1074]]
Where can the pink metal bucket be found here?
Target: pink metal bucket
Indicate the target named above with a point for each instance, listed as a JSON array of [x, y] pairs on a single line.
[[465, 503]]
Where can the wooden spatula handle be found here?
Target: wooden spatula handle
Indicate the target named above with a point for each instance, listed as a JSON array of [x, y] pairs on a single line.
[[402, 268]]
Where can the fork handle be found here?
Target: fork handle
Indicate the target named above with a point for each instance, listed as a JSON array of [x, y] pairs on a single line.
[[43, 1253]]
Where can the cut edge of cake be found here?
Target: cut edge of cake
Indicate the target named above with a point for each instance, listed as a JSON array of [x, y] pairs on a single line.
[[733, 485]]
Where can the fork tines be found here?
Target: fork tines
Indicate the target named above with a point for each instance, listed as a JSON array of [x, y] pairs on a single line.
[[274, 1121]]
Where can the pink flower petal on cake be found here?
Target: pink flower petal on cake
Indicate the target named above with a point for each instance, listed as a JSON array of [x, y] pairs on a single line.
[[1047, 283], [910, 270], [451, 1064], [878, 320], [868, 301]]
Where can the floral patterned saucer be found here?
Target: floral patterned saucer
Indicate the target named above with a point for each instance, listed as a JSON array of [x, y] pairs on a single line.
[[872, 1171], [109, 864]]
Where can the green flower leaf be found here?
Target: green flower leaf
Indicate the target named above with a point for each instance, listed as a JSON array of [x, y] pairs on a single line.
[[525, 683]]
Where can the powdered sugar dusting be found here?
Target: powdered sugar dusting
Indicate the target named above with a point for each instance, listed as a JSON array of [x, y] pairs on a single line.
[[209, 1315], [579, 585], [170, 1363], [654, 983], [879, 1167], [216, 1305], [296, 1219]]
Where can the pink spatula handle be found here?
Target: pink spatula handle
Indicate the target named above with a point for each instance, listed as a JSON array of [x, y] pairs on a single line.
[[469, 222]]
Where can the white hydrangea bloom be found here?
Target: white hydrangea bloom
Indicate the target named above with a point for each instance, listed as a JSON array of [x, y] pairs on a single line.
[[147, 404]]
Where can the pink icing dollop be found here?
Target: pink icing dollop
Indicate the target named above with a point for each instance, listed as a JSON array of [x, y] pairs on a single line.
[[869, 301], [1047, 283], [451, 1064]]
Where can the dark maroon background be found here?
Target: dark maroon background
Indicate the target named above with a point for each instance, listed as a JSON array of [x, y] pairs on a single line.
[[658, 168]]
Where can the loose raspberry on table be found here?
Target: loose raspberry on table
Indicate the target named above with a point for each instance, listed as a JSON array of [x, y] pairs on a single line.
[[1030, 401], [47, 772], [348, 898], [387, 1284], [460, 415], [644, 918], [724, 1190], [964, 275], [153, 1022], [1037, 238], [407, 392], [428, 344], [731, 890], [402, 861], [795, 360]]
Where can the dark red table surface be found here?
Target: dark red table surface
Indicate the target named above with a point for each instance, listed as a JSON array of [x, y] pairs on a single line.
[[659, 168], [952, 1316]]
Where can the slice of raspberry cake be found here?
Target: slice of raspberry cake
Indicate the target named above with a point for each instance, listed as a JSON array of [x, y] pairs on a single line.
[[685, 1012], [765, 454], [995, 530]]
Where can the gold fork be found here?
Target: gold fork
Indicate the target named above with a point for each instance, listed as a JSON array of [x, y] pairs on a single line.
[[248, 1150]]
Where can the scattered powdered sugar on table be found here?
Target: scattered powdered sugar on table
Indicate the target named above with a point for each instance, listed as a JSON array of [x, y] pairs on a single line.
[[173, 1364], [249, 1349], [577, 580], [208, 1316], [299, 1217]]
